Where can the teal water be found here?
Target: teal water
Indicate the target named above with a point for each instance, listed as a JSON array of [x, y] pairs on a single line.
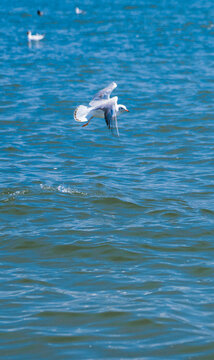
[[107, 244]]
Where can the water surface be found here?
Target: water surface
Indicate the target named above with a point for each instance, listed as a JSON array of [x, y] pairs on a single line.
[[106, 243]]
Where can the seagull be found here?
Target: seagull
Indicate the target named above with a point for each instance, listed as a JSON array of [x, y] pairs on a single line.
[[78, 11], [102, 106], [34, 37], [40, 13]]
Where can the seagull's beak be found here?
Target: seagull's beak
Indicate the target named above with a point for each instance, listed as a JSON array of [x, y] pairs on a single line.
[[127, 110]]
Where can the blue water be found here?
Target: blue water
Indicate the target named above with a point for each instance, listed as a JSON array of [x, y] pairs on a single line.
[[107, 243]]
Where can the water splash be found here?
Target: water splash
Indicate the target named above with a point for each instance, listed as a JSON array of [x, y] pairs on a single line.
[[10, 196], [62, 189]]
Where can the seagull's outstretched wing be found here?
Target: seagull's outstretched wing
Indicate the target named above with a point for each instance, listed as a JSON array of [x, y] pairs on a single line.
[[110, 114], [103, 94]]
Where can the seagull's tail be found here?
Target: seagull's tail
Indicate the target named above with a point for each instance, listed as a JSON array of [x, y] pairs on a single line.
[[81, 113]]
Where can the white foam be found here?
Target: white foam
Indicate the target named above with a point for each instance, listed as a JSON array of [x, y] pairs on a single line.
[[62, 189]]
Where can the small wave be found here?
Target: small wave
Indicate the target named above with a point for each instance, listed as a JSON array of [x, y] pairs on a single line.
[[62, 189], [117, 202], [18, 192], [12, 195]]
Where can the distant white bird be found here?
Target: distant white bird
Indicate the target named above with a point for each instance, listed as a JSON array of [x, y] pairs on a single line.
[[78, 11], [102, 106], [36, 37]]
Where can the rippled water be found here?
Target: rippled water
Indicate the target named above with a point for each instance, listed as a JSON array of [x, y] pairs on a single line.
[[106, 243]]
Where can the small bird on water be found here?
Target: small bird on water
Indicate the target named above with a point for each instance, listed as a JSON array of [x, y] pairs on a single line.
[[36, 37], [40, 13], [102, 106], [79, 11]]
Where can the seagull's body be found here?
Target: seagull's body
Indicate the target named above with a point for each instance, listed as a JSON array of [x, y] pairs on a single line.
[[35, 37], [40, 13], [102, 106], [79, 11]]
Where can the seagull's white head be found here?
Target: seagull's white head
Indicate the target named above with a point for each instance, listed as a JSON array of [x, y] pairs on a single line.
[[122, 108], [28, 32]]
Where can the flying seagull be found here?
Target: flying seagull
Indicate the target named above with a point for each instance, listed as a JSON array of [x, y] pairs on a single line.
[[102, 106]]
